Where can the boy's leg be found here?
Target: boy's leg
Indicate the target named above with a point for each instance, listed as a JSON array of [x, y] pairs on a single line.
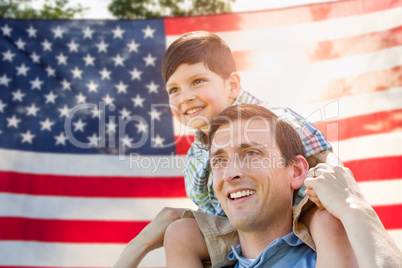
[[329, 235], [185, 244]]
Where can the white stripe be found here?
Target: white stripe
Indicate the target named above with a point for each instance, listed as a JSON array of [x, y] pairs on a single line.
[[74, 208], [384, 192], [69, 255], [381, 145], [251, 5], [373, 102], [397, 236], [309, 33], [91, 165]]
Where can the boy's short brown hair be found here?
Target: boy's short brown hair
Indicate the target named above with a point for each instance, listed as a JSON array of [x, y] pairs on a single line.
[[195, 47]]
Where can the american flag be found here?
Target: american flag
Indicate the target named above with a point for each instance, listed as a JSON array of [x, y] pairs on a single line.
[[90, 152]]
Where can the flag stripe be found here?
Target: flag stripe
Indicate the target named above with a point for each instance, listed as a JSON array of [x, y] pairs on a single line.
[[373, 169], [42, 184], [391, 216], [368, 124], [276, 18], [382, 192]]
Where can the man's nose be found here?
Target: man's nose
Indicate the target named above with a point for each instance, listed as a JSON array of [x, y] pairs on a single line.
[[233, 170]]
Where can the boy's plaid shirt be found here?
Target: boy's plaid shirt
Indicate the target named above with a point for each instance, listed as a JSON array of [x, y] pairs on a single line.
[[197, 173]]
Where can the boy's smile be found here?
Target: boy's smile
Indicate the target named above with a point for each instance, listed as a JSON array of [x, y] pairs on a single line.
[[197, 94]]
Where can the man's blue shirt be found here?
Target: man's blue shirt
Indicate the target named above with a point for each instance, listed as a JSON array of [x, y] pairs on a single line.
[[288, 251]]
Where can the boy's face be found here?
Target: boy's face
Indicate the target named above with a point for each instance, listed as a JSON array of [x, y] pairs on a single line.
[[197, 95]]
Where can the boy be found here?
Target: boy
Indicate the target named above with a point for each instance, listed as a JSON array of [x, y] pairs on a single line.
[[201, 80]]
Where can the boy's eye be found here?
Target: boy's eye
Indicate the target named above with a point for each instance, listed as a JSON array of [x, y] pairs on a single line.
[[173, 90], [197, 81]]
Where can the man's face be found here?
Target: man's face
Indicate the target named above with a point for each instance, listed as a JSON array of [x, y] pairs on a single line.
[[250, 177], [197, 95]]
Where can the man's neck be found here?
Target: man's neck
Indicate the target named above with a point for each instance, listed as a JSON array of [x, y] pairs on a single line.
[[254, 242]]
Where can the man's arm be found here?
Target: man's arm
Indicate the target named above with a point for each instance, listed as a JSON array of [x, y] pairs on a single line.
[[339, 193], [150, 238], [326, 156]]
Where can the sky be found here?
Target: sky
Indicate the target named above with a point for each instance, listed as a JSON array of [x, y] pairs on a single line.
[[98, 8]]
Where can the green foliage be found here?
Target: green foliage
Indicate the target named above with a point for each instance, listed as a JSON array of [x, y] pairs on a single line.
[[144, 9], [52, 9]]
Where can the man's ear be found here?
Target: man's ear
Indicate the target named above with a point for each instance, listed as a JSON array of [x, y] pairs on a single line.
[[300, 169], [235, 86]]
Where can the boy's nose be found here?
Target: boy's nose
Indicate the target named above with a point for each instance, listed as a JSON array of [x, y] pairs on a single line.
[[187, 96]]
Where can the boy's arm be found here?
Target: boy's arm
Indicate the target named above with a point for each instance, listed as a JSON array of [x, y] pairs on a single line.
[[150, 238], [339, 193]]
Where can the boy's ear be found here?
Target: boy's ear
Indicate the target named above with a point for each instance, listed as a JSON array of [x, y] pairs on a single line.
[[235, 86], [300, 169]]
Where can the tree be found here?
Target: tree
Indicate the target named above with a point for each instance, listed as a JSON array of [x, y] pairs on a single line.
[[52, 9], [144, 9]]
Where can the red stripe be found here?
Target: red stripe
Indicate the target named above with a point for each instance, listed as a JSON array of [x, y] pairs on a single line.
[[71, 231], [23, 183], [357, 126], [275, 18], [391, 216], [183, 143], [355, 45], [80, 231], [364, 83], [376, 169]]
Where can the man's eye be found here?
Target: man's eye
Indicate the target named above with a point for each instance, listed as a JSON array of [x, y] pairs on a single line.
[[251, 153], [197, 81], [173, 90], [218, 162]]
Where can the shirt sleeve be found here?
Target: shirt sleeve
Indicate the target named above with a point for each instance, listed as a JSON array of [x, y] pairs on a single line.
[[313, 140]]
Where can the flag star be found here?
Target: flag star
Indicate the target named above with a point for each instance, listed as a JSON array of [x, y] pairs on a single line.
[[96, 113], [61, 59], [92, 87], [73, 46], [133, 46], [31, 31], [88, 33], [13, 121], [50, 71], [58, 32], [18, 95], [108, 100], [6, 30], [22, 70], [79, 126], [118, 60], [46, 125], [135, 74], [51, 97], [77, 73], [125, 113], [89, 60], [126, 141], [118, 33], [64, 111], [105, 73], [158, 141], [2, 106], [46, 45], [4, 80], [36, 84], [66, 85], [27, 137], [102, 47], [32, 110], [149, 60], [93, 140], [121, 88], [20, 44], [8, 56], [81, 98], [35, 58], [152, 87], [61, 139], [155, 114], [148, 32], [142, 127], [138, 101], [111, 127]]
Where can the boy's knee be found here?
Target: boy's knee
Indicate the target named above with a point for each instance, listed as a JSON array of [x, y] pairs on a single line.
[[181, 232], [330, 222]]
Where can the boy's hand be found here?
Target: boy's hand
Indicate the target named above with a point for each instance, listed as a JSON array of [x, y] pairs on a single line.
[[334, 188]]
